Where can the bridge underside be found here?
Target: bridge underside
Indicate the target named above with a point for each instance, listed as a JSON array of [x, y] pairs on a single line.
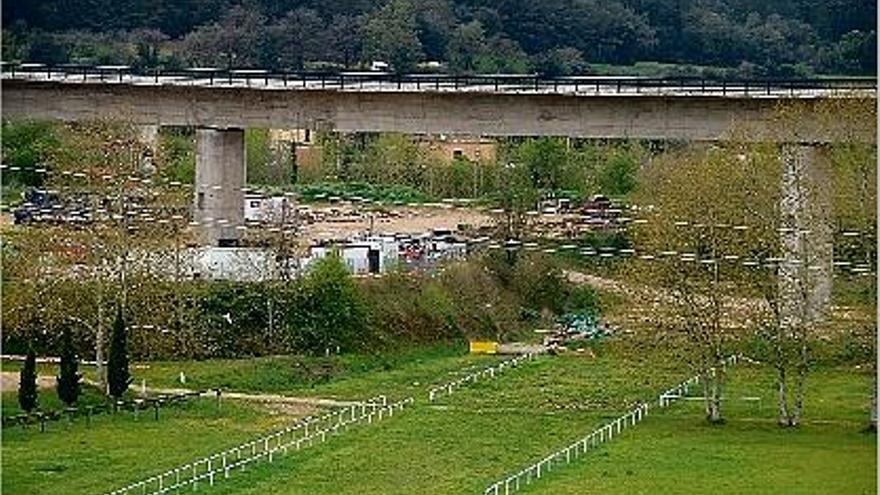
[[222, 112], [647, 116]]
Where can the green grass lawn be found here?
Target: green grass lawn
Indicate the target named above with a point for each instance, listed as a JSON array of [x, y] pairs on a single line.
[[49, 401], [350, 376], [117, 449], [462, 442], [483, 432], [343, 377], [676, 452]]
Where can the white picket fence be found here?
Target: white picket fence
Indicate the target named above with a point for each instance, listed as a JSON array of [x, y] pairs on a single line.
[[489, 372], [301, 434], [599, 436]]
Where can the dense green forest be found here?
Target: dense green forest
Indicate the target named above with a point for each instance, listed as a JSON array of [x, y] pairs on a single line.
[[747, 38]]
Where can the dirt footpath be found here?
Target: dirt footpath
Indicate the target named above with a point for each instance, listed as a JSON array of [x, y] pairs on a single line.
[[9, 381]]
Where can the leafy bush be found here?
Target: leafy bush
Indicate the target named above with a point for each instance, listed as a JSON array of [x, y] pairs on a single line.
[[330, 312]]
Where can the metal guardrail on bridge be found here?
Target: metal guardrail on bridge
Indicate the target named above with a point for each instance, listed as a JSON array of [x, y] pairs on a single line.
[[382, 81]]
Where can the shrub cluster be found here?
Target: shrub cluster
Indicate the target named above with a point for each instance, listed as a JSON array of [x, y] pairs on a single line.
[[326, 311]]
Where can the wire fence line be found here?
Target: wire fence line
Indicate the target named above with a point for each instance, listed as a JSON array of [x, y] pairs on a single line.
[[573, 451], [490, 372], [302, 434]]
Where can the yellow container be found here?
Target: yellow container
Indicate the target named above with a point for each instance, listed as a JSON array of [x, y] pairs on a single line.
[[483, 347]]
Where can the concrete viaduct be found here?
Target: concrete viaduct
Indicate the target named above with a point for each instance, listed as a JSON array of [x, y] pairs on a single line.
[[221, 105]]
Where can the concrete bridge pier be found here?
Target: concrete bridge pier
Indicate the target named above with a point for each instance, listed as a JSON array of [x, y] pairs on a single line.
[[806, 271], [220, 180], [148, 135]]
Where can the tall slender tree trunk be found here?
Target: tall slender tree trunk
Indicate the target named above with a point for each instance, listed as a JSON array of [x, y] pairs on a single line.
[[800, 383], [99, 335], [782, 387], [712, 396]]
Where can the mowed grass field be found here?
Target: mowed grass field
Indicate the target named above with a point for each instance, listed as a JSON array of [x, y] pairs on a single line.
[[483, 433], [461, 442], [674, 452], [464, 442], [117, 449], [346, 377]]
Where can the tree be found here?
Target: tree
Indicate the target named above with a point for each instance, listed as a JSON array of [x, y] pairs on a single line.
[[617, 176], [391, 35], [544, 158], [237, 40], [118, 374], [297, 38], [792, 192], [345, 33], [329, 313], [436, 20], [517, 197], [466, 45], [693, 253], [68, 381], [27, 386], [502, 56], [561, 62]]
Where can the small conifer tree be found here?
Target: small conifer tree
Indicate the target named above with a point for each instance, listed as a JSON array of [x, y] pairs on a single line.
[[68, 380], [118, 375], [27, 386]]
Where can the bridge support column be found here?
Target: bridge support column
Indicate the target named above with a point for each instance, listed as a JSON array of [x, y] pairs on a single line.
[[220, 179], [806, 272], [148, 135]]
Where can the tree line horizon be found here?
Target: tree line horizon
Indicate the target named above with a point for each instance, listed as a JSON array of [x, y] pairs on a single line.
[[742, 38]]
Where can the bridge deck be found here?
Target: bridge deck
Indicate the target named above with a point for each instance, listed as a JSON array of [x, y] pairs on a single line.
[[499, 84]]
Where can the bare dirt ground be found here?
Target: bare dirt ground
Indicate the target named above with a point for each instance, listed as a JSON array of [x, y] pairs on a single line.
[[272, 403], [9, 381], [344, 221], [647, 306]]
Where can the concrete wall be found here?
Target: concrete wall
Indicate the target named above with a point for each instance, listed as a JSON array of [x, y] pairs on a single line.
[[474, 149], [486, 114]]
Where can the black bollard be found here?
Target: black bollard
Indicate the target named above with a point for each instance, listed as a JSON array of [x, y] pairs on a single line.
[[42, 422], [156, 409]]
